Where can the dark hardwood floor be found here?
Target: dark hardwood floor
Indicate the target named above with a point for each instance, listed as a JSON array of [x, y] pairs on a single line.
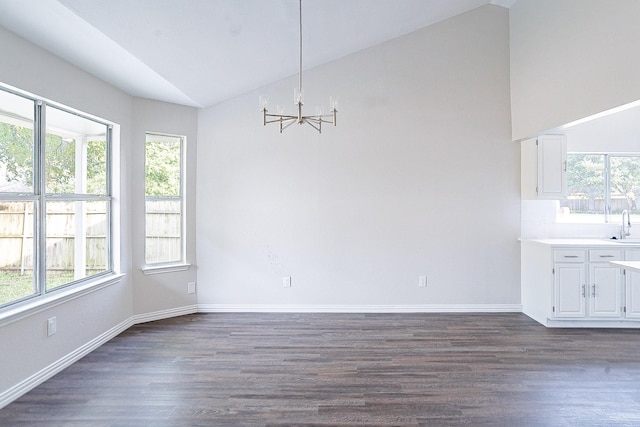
[[345, 370]]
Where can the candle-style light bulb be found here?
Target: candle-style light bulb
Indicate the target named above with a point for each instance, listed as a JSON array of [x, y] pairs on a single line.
[[264, 101], [333, 103]]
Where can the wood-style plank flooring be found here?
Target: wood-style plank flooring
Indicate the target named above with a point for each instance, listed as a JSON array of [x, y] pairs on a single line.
[[345, 370]]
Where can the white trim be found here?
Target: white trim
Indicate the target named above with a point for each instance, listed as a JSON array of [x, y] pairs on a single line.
[[420, 308], [164, 314], [41, 376], [592, 323], [165, 268], [504, 3], [18, 311]]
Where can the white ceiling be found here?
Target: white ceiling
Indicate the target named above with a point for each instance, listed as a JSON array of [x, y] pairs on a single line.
[[202, 52]]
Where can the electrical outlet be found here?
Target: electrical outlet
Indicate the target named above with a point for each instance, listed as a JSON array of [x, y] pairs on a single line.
[[52, 326], [286, 282], [191, 287], [422, 281]]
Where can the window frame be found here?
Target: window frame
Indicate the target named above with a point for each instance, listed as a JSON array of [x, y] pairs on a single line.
[[607, 156], [11, 310], [172, 265]]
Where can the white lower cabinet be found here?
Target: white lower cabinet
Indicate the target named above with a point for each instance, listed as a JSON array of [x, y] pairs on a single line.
[[603, 291], [605, 296], [632, 287], [588, 288], [576, 286], [584, 288], [569, 290]]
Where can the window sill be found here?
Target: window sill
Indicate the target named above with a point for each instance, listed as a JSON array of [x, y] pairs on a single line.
[[165, 268], [13, 313]]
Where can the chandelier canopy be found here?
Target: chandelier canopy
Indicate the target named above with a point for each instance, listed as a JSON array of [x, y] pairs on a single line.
[[286, 120]]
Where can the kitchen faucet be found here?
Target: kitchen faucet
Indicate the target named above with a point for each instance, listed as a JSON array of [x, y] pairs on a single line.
[[625, 230]]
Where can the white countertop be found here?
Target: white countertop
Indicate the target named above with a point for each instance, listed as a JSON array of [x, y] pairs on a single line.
[[627, 265], [572, 242]]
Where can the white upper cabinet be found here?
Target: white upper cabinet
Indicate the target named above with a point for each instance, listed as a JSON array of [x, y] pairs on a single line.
[[544, 167]]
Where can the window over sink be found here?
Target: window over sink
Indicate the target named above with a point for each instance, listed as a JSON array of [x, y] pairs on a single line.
[[600, 186]]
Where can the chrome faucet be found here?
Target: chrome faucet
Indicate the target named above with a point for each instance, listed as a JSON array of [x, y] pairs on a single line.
[[625, 226]]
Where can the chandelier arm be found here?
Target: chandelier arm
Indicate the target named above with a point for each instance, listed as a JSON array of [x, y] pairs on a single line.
[[310, 123], [289, 123], [326, 118], [282, 119], [314, 119], [284, 116], [280, 115]]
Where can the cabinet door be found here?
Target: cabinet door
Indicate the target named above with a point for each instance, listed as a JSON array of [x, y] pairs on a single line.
[[632, 280], [632, 287], [552, 166], [605, 290], [569, 290]]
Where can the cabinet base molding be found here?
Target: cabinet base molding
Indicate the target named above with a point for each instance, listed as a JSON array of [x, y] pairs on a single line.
[[567, 323]]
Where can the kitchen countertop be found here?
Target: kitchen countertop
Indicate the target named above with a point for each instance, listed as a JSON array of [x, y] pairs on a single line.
[[627, 265], [573, 242]]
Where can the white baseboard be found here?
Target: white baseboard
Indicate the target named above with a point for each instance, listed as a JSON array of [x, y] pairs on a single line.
[[164, 314], [313, 308], [38, 378]]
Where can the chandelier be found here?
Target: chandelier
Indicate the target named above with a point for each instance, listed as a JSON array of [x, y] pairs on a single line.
[[286, 120]]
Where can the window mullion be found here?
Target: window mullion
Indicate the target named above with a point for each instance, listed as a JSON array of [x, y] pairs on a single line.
[[109, 190], [39, 182]]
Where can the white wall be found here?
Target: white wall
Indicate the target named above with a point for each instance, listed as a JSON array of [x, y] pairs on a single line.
[[571, 59], [419, 177], [614, 133], [27, 355]]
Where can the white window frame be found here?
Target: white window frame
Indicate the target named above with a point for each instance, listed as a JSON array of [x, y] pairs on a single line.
[[606, 217], [43, 298], [173, 265]]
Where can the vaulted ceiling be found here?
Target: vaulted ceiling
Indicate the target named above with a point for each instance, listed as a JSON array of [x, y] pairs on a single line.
[[202, 52]]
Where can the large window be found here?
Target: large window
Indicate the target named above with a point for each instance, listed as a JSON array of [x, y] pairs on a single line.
[[55, 198], [601, 186], [164, 202]]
